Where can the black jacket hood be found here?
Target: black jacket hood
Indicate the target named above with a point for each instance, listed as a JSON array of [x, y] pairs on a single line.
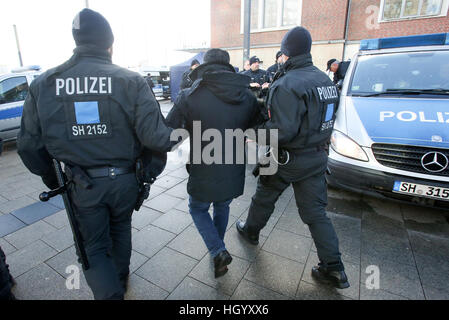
[[222, 80]]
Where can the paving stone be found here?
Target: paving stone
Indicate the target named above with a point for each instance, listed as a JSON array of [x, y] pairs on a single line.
[[150, 240], [433, 272], [12, 205], [144, 217], [378, 294], [179, 173], [137, 260], [238, 207], [436, 294], [382, 209], [276, 273], [140, 289], [174, 221], [57, 202], [6, 247], [17, 193], [345, 207], [425, 244], [58, 220], [27, 258], [29, 234], [191, 289], [60, 239], [167, 269], [288, 245], [352, 272], [183, 206], [43, 283], [167, 182], [204, 272], [163, 203], [292, 222], [248, 290], [237, 246], [178, 191], [189, 242], [9, 224], [399, 279], [62, 260], [380, 247], [308, 291], [154, 192], [35, 212], [3, 200]]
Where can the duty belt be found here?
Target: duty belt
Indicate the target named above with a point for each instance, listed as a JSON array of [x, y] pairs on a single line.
[[307, 150], [111, 172]]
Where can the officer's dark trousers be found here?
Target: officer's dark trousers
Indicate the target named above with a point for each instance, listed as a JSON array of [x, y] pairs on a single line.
[[5, 278], [306, 173], [104, 216]]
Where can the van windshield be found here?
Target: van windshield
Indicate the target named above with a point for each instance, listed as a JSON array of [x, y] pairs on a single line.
[[427, 70]]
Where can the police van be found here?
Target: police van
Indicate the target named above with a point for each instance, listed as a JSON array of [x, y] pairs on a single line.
[[391, 134], [13, 91]]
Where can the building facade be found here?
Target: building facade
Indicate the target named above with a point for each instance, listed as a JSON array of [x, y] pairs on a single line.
[[337, 26]]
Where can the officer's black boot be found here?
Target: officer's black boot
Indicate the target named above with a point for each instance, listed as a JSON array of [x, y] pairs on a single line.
[[337, 279], [249, 235], [220, 263]]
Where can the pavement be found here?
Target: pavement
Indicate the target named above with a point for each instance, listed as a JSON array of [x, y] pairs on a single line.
[[404, 247]]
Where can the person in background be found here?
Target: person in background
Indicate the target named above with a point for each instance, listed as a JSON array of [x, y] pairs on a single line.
[[271, 71], [6, 280], [338, 68], [245, 66], [219, 99], [257, 75], [149, 81], [186, 81]]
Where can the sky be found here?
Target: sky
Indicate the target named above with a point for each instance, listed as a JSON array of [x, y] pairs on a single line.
[[146, 32]]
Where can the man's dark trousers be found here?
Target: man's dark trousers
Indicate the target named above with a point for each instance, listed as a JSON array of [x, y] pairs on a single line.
[[306, 173], [104, 217]]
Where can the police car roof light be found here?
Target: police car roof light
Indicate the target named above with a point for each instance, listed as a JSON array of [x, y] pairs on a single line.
[[407, 41], [27, 68]]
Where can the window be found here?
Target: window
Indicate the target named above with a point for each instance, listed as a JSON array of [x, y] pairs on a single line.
[[273, 14], [13, 89], [403, 9]]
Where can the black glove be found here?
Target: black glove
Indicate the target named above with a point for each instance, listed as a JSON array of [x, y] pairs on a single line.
[[50, 181]]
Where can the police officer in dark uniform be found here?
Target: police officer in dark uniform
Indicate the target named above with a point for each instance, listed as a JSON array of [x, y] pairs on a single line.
[[272, 70], [257, 75], [186, 82], [338, 68], [96, 118], [302, 104]]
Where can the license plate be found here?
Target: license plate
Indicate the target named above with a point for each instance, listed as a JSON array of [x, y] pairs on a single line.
[[421, 190]]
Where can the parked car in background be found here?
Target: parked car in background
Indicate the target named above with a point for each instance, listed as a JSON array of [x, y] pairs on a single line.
[[391, 134], [13, 91]]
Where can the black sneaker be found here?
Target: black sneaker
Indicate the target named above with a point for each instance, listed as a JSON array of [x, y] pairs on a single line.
[[220, 263], [251, 237], [337, 279]]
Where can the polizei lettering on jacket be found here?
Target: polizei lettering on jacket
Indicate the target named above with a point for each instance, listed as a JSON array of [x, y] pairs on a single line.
[[83, 85], [327, 93]]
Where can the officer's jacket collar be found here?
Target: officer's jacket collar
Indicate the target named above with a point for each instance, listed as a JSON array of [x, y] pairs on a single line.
[[92, 51], [301, 61]]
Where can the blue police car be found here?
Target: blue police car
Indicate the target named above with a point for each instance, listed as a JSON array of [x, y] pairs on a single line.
[[391, 135], [13, 91]]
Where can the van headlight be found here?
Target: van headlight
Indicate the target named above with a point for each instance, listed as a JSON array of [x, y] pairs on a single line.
[[347, 147]]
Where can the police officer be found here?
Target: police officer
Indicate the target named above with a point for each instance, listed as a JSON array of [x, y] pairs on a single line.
[[96, 118], [257, 75], [186, 82], [338, 68], [302, 104], [272, 70]]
